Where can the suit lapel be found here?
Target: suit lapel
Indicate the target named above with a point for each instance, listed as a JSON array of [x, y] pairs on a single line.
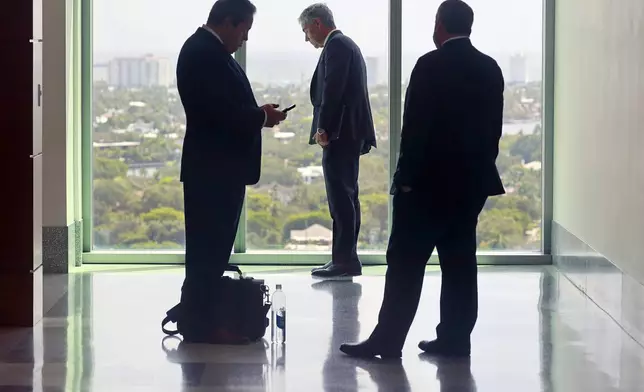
[[330, 37], [314, 79], [241, 74], [314, 83], [244, 78]]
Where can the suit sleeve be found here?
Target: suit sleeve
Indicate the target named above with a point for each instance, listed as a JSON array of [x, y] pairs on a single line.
[[420, 98], [498, 110], [337, 64], [225, 105]]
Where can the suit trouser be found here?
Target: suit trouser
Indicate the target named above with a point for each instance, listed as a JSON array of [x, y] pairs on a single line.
[[417, 229], [212, 211], [341, 165]]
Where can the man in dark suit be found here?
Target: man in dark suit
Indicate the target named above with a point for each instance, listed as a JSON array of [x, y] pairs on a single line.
[[343, 127], [446, 171], [221, 155]]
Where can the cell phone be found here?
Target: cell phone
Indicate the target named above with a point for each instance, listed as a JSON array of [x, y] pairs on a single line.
[[288, 109]]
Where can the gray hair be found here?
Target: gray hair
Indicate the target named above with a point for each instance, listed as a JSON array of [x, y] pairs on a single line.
[[317, 11]]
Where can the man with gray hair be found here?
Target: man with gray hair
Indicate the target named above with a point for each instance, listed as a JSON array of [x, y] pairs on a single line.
[[343, 127]]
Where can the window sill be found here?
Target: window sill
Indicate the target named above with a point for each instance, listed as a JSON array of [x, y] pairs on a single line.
[[296, 258]]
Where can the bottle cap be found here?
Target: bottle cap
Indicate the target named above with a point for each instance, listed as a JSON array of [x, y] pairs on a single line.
[[278, 287]]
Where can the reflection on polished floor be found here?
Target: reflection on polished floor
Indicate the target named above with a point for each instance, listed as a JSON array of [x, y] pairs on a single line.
[[536, 332]]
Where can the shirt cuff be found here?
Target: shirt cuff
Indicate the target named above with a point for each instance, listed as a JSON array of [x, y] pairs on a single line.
[[265, 118]]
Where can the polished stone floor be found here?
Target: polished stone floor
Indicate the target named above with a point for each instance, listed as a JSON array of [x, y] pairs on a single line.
[[536, 332]]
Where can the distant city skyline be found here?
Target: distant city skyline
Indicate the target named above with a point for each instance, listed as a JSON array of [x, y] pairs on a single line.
[[296, 67]]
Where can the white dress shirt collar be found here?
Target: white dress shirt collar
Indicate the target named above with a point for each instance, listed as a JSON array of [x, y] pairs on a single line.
[[211, 31], [455, 38], [329, 35]]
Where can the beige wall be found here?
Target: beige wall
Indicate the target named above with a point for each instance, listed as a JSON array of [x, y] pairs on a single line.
[[57, 101], [599, 127]]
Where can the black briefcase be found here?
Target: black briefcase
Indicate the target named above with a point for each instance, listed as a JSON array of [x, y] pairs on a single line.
[[246, 301]]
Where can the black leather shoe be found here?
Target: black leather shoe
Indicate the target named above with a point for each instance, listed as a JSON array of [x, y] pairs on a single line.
[[440, 349], [337, 271], [368, 349], [325, 266]]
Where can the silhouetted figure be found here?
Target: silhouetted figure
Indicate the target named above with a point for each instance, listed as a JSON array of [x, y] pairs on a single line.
[[343, 126], [222, 153], [446, 171]]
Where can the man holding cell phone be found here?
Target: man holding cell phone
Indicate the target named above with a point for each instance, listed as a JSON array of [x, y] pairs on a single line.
[[222, 153], [343, 127]]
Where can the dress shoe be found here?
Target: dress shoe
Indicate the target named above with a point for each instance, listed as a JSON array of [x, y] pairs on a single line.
[[368, 349], [325, 266], [441, 349], [331, 270]]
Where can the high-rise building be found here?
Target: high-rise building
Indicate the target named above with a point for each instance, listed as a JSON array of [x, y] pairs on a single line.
[[372, 70], [146, 71], [518, 68], [101, 72]]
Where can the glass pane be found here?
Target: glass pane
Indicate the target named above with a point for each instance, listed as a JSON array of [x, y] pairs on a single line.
[[288, 208], [139, 122], [511, 32]]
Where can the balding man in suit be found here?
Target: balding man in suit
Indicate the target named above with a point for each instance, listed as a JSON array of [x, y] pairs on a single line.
[[446, 171], [221, 155]]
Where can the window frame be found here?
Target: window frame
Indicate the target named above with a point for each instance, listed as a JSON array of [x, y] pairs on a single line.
[[241, 254]]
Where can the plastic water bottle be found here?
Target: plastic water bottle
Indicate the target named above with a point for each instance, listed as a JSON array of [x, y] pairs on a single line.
[[278, 316]]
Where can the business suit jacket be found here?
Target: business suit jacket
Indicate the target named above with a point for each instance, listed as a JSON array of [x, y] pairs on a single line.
[[339, 93], [223, 139], [452, 125]]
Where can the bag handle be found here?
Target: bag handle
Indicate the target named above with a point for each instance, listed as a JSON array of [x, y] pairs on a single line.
[[171, 316], [234, 268], [165, 322]]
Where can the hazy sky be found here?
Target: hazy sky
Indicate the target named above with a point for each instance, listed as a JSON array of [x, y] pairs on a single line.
[[136, 27]]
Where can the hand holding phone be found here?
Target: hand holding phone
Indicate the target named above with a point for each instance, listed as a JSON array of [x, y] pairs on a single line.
[[288, 109], [273, 115]]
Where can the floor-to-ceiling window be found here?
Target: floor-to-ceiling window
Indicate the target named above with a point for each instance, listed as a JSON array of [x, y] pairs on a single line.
[[139, 123]]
